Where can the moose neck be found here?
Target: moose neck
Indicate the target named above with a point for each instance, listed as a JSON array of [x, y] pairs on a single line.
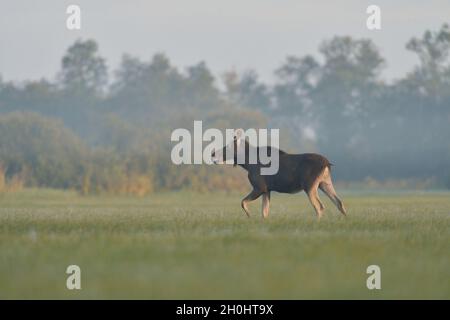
[[247, 165]]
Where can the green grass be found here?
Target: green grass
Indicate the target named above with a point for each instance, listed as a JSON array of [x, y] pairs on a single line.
[[189, 246]]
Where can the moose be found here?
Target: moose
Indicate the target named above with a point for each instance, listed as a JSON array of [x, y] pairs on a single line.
[[296, 172]]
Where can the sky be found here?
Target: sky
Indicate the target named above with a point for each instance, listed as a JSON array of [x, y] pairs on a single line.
[[227, 34]]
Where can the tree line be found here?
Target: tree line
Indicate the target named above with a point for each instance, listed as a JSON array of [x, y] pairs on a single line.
[[96, 130]]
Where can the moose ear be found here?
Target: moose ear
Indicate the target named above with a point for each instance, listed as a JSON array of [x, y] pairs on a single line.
[[238, 134]]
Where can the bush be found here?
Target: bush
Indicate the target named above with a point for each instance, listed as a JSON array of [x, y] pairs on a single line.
[[41, 150]]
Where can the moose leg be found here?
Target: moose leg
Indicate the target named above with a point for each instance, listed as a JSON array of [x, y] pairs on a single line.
[[250, 197], [327, 187], [314, 199], [265, 204]]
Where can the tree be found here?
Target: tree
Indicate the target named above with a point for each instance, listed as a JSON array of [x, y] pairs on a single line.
[[432, 75], [200, 90], [345, 94], [50, 154], [143, 91], [297, 78], [246, 90], [350, 72], [83, 70]]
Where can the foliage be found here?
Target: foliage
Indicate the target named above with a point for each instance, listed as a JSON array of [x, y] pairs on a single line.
[[41, 149], [111, 135]]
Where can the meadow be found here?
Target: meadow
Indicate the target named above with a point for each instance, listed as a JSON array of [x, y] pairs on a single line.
[[183, 245]]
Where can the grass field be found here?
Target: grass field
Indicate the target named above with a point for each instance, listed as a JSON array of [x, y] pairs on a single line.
[[183, 245]]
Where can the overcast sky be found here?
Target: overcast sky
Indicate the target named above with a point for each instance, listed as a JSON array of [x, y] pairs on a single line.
[[239, 34]]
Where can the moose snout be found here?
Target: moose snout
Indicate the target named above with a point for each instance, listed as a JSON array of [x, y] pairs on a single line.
[[213, 156]]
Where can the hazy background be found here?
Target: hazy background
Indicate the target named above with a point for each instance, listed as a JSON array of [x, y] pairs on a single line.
[[93, 110], [250, 34]]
